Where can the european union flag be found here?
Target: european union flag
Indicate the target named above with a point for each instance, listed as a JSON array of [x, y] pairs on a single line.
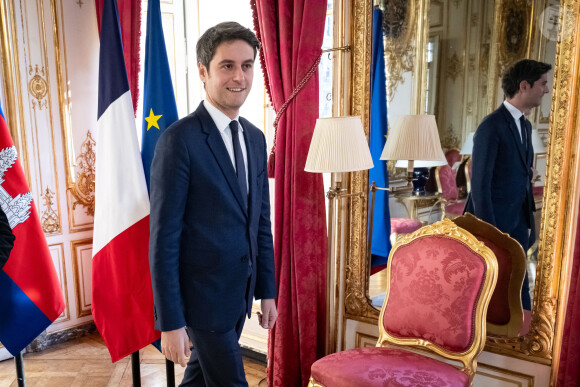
[[159, 109], [382, 219]]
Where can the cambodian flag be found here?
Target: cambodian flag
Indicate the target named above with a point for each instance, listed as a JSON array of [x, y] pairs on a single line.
[[122, 297], [30, 294]]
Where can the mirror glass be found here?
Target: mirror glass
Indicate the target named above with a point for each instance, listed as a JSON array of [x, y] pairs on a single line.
[[468, 46]]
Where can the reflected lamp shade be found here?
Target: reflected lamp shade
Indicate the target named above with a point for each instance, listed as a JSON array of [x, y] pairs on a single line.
[[537, 142], [467, 147], [415, 137], [338, 144], [420, 163]]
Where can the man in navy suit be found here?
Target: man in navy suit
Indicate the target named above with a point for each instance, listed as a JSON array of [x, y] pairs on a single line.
[[501, 187], [211, 247]]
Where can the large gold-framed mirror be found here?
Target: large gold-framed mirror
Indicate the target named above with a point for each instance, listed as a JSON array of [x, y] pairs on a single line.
[[559, 197]]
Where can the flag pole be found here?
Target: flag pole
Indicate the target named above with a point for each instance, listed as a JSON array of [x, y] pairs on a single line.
[[136, 371], [19, 370], [170, 373]]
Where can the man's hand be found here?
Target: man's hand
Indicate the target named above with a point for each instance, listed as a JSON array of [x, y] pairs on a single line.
[[175, 346], [268, 317]]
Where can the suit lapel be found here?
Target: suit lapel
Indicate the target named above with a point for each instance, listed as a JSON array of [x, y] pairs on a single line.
[[513, 129], [216, 144]]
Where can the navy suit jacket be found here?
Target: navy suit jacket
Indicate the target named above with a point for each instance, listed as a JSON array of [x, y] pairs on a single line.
[[501, 183], [202, 235]]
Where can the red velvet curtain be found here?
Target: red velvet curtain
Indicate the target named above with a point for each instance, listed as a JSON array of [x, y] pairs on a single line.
[[130, 19], [569, 371], [291, 33]]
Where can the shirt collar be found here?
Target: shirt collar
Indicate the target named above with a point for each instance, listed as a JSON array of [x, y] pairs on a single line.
[[514, 111], [221, 120]]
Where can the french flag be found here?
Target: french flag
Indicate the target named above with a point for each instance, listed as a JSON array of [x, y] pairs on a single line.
[[122, 297], [30, 294]]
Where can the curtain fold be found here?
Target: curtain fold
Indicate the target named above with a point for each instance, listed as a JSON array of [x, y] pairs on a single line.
[[130, 20], [569, 370], [291, 33]]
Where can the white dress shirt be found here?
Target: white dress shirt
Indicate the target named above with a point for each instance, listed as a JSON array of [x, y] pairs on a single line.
[[222, 122], [516, 114]]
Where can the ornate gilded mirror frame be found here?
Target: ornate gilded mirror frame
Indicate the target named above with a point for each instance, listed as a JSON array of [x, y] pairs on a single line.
[[558, 218]]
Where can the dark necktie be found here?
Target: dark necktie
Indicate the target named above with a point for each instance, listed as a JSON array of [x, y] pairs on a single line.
[[524, 130], [239, 158]]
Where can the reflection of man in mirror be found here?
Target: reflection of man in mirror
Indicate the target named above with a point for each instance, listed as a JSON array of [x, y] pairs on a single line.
[[501, 187]]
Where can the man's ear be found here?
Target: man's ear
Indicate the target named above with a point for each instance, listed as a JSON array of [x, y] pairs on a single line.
[[524, 86], [202, 72]]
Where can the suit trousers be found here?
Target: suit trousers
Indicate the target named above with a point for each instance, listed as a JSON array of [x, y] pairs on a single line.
[[216, 357]]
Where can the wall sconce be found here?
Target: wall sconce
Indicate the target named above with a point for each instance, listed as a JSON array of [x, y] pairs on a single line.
[[339, 145]]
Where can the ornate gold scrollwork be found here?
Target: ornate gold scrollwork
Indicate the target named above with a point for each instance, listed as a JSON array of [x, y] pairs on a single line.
[[559, 192], [83, 189], [449, 139], [514, 37], [37, 86], [49, 218], [399, 20], [454, 67], [356, 297]]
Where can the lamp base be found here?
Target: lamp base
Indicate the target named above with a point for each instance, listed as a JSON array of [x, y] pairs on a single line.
[[420, 177]]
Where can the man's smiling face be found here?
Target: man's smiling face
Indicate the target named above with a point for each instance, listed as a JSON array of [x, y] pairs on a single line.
[[229, 78]]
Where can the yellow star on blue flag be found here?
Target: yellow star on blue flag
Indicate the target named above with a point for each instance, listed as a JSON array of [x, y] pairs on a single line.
[[152, 120]]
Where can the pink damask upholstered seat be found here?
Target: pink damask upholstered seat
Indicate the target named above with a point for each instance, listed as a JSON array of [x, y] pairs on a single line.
[[439, 283], [452, 156], [404, 225], [447, 187]]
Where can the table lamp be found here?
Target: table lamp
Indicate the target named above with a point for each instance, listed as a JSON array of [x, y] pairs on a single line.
[[414, 138]]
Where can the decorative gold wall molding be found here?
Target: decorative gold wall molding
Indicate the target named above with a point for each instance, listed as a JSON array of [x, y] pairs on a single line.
[[399, 22], [82, 295], [363, 340], [61, 270], [49, 217], [454, 67], [356, 297], [37, 86], [12, 82], [449, 140], [514, 32], [84, 188], [511, 377]]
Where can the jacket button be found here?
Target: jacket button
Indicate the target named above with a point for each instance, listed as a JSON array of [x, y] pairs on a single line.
[[244, 258]]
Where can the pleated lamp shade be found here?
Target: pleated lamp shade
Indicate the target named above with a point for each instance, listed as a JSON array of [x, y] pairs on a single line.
[[467, 147], [338, 144], [420, 163], [537, 142], [415, 137]]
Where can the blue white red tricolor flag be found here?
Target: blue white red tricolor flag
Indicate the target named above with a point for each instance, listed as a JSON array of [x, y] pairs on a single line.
[[122, 297], [30, 294]]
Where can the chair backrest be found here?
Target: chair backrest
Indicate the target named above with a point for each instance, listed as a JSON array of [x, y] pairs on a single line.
[[439, 283], [461, 180], [446, 185], [505, 314], [452, 156]]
